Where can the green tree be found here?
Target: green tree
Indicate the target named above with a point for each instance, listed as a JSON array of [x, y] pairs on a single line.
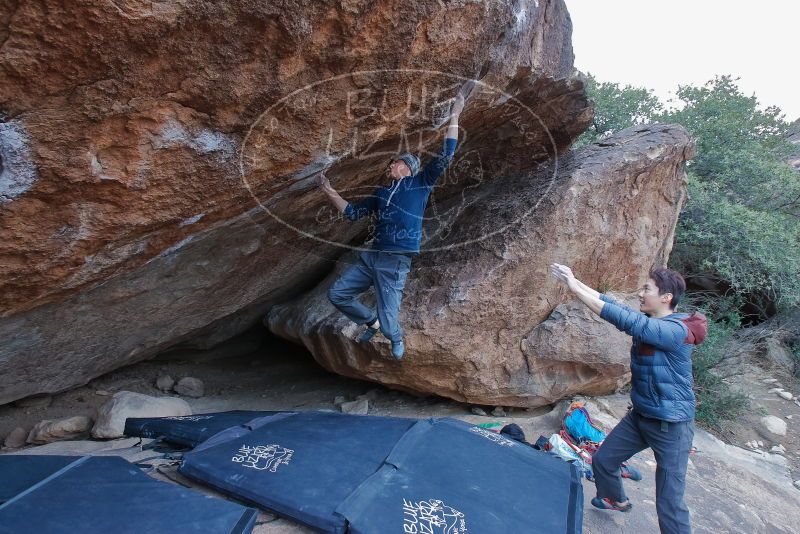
[[716, 403], [741, 224], [617, 108], [740, 149]]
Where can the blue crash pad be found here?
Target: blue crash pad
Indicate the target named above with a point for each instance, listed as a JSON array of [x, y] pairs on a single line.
[[449, 477], [301, 465], [361, 474], [20, 472], [101, 494], [189, 430]]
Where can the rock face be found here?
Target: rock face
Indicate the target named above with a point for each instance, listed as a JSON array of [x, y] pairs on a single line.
[[483, 321], [154, 195]]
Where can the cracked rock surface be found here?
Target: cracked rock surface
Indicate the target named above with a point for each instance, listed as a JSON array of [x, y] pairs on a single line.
[[156, 157], [484, 323]]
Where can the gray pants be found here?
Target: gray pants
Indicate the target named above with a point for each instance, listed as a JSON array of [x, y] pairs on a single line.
[[671, 443], [387, 272]]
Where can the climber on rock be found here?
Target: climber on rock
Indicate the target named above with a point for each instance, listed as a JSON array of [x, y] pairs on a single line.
[[662, 415], [398, 210]]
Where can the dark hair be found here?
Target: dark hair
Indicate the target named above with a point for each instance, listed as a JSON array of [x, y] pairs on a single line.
[[669, 281]]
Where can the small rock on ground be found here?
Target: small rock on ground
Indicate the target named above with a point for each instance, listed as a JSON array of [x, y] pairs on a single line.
[[774, 425], [111, 416], [16, 438], [165, 382], [48, 431], [357, 407], [190, 387]]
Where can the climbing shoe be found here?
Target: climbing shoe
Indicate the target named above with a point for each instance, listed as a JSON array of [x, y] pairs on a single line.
[[398, 349], [367, 334], [608, 504]]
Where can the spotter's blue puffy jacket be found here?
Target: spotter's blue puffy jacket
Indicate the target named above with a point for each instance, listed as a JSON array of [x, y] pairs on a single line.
[[399, 208], [661, 359]]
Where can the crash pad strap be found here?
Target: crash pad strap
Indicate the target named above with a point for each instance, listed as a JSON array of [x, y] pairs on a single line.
[[41, 483], [246, 522]]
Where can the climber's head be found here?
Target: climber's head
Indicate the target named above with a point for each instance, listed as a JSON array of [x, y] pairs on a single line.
[[661, 292], [404, 165]]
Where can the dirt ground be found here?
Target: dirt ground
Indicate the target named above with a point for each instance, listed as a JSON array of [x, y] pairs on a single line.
[[755, 379], [242, 376], [729, 489]]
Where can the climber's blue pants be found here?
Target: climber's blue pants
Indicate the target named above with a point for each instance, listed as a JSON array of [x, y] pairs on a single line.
[[387, 271]]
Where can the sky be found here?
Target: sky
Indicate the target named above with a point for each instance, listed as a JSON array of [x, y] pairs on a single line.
[[663, 44]]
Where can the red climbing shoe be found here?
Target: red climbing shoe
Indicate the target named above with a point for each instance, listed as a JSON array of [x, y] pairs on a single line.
[[608, 504]]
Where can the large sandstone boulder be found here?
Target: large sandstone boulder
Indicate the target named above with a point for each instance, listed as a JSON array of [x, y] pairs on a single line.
[[484, 323], [156, 157]]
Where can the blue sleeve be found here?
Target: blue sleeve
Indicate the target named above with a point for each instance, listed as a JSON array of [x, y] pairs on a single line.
[[606, 298], [664, 334], [435, 167], [361, 209]]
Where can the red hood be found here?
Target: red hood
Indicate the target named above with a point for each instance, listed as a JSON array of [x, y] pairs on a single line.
[[698, 328]]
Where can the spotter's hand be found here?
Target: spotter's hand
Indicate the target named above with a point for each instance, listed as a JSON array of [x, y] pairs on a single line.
[[562, 273]]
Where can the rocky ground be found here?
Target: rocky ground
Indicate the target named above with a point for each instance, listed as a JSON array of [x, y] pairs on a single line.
[[730, 488], [750, 430]]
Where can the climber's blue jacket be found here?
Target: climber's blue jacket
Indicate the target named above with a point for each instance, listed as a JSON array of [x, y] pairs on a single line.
[[399, 207], [661, 359]]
